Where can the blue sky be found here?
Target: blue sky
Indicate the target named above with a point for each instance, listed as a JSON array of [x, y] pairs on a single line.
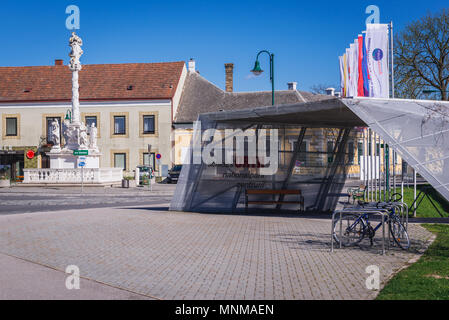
[[305, 36]]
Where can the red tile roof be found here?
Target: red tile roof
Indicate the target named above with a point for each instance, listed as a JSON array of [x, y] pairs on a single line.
[[97, 82]]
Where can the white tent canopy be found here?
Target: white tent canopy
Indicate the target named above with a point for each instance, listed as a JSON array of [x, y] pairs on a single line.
[[417, 130]]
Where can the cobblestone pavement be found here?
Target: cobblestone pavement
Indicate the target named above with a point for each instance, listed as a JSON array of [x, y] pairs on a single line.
[[170, 255]]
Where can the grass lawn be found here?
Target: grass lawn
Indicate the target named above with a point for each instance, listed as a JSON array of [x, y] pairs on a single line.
[[426, 210], [427, 279]]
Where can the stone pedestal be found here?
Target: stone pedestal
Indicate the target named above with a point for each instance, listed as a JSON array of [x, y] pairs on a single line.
[[66, 160]]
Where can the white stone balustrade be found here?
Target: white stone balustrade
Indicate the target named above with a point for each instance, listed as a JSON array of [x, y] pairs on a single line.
[[72, 176]]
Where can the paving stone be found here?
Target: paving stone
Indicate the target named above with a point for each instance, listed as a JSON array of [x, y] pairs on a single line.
[[172, 255]]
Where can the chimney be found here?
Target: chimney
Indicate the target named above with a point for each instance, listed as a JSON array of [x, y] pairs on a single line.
[[330, 91], [229, 67], [192, 65], [292, 86], [59, 62]]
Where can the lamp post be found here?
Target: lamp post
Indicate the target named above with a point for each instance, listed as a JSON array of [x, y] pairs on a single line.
[[257, 71], [68, 115]]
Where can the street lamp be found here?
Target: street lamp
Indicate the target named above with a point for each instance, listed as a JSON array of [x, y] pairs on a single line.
[[257, 71], [68, 115]]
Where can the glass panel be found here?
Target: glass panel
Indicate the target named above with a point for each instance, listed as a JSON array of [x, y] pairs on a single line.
[[148, 124], [119, 125], [11, 126], [120, 160]]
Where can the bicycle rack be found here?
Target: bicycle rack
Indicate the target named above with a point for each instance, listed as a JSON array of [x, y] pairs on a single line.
[[360, 212]]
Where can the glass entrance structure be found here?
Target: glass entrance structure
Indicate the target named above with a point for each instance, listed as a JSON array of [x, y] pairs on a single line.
[[307, 147]]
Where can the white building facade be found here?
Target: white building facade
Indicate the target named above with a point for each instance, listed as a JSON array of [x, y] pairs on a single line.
[[132, 106]]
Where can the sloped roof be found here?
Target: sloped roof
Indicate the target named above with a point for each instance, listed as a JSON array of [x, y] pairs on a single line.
[[97, 82], [330, 112], [201, 96]]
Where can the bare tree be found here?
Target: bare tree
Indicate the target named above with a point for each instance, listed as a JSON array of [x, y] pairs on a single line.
[[320, 88], [422, 58]]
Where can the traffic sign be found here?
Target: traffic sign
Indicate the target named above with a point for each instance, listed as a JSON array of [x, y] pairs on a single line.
[[31, 154], [81, 152], [158, 156], [82, 164]]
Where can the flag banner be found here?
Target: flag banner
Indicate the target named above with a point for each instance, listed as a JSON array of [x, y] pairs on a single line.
[[365, 72], [345, 65], [348, 65], [342, 75], [354, 72], [360, 91], [356, 66], [377, 60]]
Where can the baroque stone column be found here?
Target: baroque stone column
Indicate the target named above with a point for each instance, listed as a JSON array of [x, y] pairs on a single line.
[[75, 67], [75, 132]]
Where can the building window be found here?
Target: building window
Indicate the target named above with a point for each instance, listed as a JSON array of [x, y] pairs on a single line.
[[149, 125], [49, 122], [330, 151], [11, 127], [89, 121], [351, 152], [360, 151], [149, 160], [119, 125], [303, 155], [120, 160]]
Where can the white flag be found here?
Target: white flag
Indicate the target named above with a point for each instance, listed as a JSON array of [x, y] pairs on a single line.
[[377, 55], [349, 72], [355, 67], [342, 75], [354, 70]]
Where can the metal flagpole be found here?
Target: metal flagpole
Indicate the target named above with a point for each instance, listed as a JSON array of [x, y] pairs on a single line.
[[379, 167], [392, 60], [370, 146], [368, 162], [385, 170], [394, 170], [414, 192], [365, 173], [376, 180]]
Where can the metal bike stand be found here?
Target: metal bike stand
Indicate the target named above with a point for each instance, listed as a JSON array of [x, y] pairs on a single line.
[[359, 212]]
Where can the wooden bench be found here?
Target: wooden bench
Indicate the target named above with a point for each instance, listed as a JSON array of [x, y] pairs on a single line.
[[356, 193], [281, 193]]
